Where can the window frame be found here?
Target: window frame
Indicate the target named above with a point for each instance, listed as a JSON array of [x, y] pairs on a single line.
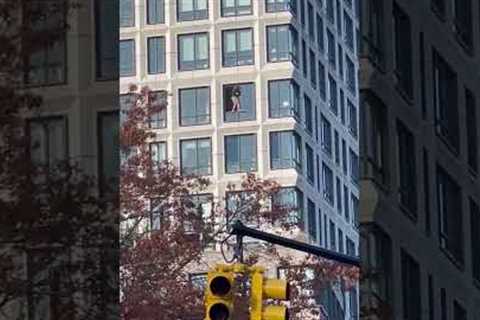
[[237, 44], [210, 160], [195, 62], [180, 107]]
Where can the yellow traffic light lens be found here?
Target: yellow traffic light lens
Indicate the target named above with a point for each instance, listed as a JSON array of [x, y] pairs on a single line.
[[220, 286], [219, 311]]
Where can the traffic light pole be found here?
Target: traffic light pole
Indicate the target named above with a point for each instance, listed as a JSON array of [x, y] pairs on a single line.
[[240, 231]]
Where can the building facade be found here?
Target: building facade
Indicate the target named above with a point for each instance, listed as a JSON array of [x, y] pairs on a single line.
[[256, 86], [420, 189]]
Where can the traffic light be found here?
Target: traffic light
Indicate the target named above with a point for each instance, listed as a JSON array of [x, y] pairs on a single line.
[[219, 294], [263, 288]]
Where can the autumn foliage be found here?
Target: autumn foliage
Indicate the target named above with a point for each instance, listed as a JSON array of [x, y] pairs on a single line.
[[155, 264]]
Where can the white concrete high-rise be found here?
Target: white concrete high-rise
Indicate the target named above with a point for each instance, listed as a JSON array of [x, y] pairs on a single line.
[[289, 67]]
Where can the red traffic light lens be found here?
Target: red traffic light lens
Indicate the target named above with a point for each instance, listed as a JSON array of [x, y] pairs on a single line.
[[220, 286]]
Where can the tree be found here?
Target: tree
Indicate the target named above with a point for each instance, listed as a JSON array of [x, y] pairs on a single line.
[[156, 264], [50, 213]]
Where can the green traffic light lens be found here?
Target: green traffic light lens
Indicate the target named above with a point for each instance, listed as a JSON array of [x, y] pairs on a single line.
[[219, 311], [220, 286]]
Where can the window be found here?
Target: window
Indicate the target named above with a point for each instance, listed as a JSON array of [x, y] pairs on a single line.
[[109, 151], [285, 150], [196, 156], [355, 210], [346, 203], [237, 47], [376, 250], [239, 102], [155, 11], [406, 168], [450, 215], [339, 18], [330, 11], [331, 49], [232, 8], [194, 106], [308, 114], [283, 98], [193, 51], [46, 63], [188, 10], [310, 165], [282, 43], [349, 30], [312, 221], [374, 32], [337, 147], [48, 140], [156, 55], [281, 5], [127, 58], [333, 95], [241, 153], [328, 190], [313, 73], [350, 247], [439, 7], [302, 12], [311, 21], [354, 167], [290, 198], [320, 34], [463, 22], [320, 238], [319, 180], [375, 130], [443, 304], [475, 239], [351, 81], [472, 133], [106, 42], [127, 13], [403, 51], [340, 61], [304, 59], [317, 123], [322, 81], [341, 247], [342, 106], [344, 157], [333, 236], [158, 120], [326, 136], [459, 313], [445, 101], [352, 117], [411, 287], [158, 152], [339, 196]]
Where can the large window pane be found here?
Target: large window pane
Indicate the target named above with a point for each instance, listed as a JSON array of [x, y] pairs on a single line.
[[196, 157], [239, 102], [155, 11], [194, 106], [285, 150], [156, 55], [236, 7], [188, 10], [282, 42], [241, 153], [237, 47], [283, 98], [127, 13], [127, 58], [193, 53]]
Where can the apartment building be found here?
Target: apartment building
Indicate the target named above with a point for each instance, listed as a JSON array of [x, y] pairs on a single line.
[[420, 188], [264, 86], [77, 77]]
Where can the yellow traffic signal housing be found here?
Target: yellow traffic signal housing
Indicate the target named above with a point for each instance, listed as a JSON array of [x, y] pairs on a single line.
[[263, 288], [219, 294]]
